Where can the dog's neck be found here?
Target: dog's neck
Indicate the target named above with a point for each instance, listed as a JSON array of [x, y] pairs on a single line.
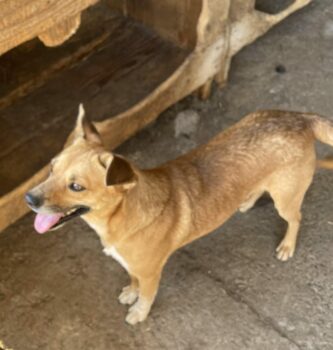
[[146, 200], [139, 207]]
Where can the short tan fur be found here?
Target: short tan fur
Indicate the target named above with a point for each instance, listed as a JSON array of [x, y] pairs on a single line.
[[143, 216]]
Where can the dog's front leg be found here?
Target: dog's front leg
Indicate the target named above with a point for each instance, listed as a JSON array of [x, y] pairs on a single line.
[[130, 293], [148, 287]]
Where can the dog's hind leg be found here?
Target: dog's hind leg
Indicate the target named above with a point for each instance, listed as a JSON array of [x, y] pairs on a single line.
[[286, 248], [288, 193]]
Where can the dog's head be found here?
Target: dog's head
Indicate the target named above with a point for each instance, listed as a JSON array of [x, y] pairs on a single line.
[[84, 179]]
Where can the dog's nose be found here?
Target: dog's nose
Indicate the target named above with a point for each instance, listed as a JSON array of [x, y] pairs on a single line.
[[33, 200]]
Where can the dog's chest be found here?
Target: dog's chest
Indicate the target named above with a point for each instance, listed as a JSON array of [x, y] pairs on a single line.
[[112, 251]]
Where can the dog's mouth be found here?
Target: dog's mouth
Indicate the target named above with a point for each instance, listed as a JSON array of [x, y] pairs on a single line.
[[47, 222]]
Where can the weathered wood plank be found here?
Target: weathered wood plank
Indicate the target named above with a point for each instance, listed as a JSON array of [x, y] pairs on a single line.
[[173, 19], [22, 20], [151, 76], [109, 82], [31, 64]]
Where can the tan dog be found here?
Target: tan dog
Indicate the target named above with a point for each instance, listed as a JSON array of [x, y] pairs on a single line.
[[143, 216]]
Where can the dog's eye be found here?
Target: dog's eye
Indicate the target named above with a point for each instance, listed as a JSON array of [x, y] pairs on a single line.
[[76, 187]]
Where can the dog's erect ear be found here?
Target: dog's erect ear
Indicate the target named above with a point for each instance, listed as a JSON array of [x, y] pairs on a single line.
[[85, 128], [119, 172]]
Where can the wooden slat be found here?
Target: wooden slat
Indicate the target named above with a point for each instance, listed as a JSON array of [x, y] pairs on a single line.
[[134, 68], [173, 19], [30, 65], [109, 82], [22, 20]]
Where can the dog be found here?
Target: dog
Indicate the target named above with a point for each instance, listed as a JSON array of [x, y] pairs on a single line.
[[143, 216]]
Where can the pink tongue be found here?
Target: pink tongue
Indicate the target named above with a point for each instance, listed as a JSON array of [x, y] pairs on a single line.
[[43, 222]]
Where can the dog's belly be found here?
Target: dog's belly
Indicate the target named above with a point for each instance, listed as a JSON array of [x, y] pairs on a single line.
[[112, 251]]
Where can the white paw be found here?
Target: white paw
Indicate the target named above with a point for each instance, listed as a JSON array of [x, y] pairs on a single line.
[[285, 250], [137, 312], [128, 295]]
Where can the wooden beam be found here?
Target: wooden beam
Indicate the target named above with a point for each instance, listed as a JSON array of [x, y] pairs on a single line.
[[130, 87], [111, 81], [23, 20], [31, 65]]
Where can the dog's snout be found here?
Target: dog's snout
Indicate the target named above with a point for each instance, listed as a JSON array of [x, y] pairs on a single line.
[[33, 200]]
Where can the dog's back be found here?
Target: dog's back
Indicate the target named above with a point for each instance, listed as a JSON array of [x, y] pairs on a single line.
[[267, 151]]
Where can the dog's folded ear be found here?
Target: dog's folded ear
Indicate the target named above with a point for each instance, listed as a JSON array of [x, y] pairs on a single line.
[[85, 128], [119, 172]]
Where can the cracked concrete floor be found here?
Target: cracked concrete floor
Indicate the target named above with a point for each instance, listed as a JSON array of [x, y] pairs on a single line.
[[225, 291]]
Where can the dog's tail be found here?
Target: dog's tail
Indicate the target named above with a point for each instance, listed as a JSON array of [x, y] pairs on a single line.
[[323, 132], [322, 129]]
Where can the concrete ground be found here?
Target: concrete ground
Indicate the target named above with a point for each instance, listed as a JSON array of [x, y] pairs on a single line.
[[226, 291]]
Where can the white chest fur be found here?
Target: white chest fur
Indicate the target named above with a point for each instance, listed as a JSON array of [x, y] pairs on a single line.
[[112, 251]]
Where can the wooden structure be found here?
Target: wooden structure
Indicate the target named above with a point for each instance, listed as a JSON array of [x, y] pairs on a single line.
[[128, 61]]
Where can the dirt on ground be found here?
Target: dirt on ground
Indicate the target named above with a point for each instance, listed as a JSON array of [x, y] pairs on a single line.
[[226, 291]]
